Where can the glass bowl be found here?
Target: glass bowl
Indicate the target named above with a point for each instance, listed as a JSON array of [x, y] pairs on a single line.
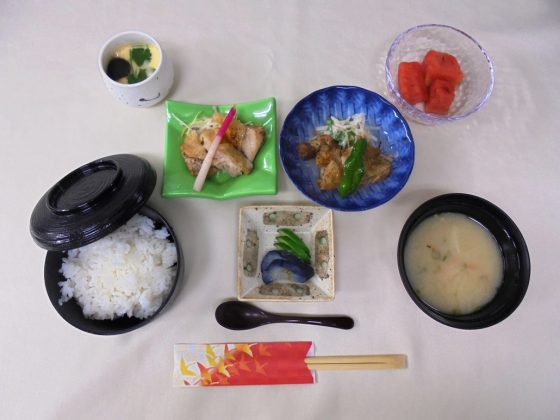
[[476, 87]]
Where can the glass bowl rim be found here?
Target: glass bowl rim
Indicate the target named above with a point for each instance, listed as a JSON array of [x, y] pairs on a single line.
[[414, 112]]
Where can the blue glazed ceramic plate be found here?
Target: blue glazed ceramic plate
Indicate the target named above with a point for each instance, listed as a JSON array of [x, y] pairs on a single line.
[[387, 125]]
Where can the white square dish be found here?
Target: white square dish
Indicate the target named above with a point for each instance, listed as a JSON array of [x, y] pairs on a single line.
[[258, 226]]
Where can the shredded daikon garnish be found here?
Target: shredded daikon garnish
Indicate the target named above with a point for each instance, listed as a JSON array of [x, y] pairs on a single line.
[[346, 131], [204, 123]]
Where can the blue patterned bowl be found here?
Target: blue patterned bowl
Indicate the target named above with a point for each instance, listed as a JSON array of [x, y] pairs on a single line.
[[387, 124]]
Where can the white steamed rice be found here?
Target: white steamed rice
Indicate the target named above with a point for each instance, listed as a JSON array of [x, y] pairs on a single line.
[[128, 272]]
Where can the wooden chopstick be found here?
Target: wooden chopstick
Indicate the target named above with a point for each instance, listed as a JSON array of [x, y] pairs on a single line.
[[381, 361]]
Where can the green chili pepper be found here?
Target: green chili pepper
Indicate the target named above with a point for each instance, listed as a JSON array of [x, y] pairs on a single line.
[[296, 245], [293, 236], [353, 170], [289, 241], [294, 251]]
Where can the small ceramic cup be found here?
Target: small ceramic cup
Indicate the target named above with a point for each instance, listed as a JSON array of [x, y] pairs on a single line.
[[147, 92]]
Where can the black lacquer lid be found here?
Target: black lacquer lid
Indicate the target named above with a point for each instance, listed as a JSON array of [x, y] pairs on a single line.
[[91, 202]]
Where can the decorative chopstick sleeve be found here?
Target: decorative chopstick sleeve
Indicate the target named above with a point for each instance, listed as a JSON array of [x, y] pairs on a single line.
[[265, 363]]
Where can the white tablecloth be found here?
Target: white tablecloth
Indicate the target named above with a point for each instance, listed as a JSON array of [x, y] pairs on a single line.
[[56, 115]]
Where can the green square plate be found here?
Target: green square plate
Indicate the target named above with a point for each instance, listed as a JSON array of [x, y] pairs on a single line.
[[178, 181]]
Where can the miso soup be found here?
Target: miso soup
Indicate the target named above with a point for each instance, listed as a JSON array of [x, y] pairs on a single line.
[[453, 263]]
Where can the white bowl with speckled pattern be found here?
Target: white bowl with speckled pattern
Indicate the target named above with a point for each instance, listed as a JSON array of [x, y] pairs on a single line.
[[146, 93]]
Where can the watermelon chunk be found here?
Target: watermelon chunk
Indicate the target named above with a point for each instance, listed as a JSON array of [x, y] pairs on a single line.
[[442, 66], [412, 86], [440, 98]]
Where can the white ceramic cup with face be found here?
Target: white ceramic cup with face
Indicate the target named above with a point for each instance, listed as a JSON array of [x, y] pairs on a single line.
[[148, 92]]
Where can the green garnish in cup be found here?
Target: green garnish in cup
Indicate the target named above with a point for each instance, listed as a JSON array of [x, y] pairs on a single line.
[[138, 77], [133, 63], [140, 55]]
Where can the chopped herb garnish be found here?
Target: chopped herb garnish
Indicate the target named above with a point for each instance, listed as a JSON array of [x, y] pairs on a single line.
[[351, 137], [339, 137], [140, 55], [135, 78], [346, 131]]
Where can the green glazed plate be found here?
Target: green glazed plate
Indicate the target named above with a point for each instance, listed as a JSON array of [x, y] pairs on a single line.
[[178, 181]]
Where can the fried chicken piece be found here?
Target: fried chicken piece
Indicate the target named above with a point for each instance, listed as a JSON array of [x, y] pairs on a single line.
[[306, 151], [378, 171], [330, 174], [371, 153], [376, 166], [310, 150], [330, 157], [321, 140], [328, 153], [323, 156]]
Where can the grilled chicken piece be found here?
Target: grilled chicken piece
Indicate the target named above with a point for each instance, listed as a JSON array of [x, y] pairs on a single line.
[[194, 166], [329, 177], [192, 146], [236, 151], [252, 142], [235, 132], [194, 153], [227, 157]]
